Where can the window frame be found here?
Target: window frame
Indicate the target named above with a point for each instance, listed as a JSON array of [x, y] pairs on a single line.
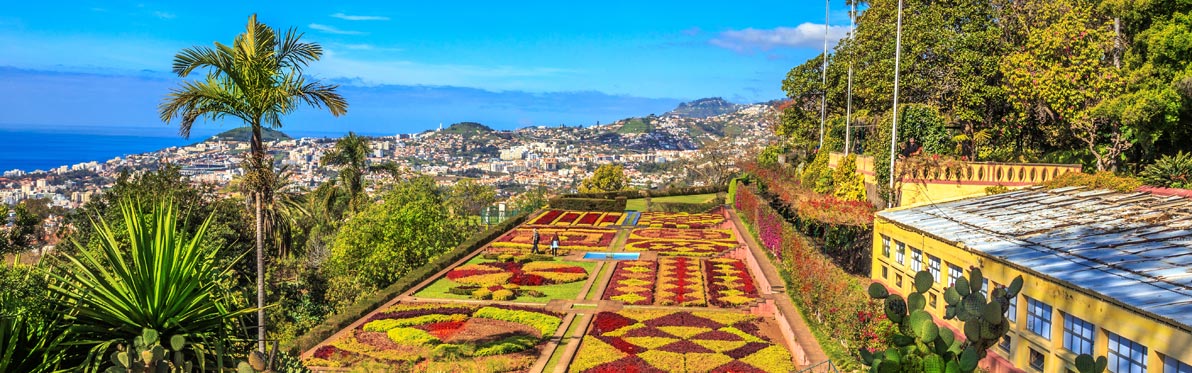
[[1173, 365], [933, 266], [900, 253], [886, 246], [1115, 356], [1030, 359], [916, 260], [1077, 330], [1035, 322], [954, 273]]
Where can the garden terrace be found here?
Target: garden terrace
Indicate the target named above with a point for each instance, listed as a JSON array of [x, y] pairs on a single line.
[[691, 302]]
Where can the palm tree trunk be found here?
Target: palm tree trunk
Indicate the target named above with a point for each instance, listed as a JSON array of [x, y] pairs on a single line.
[[260, 277]]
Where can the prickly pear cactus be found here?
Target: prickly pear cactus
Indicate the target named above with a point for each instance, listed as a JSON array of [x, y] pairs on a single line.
[[146, 354], [922, 346]]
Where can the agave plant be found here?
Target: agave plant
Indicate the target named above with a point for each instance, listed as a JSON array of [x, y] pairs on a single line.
[[31, 334], [1171, 171], [160, 280]]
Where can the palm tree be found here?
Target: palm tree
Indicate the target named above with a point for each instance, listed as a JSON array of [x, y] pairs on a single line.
[[284, 204], [257, 79], [350, 155]]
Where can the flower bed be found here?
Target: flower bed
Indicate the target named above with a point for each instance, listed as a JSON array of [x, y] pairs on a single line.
[[505, 278], [729, 283], [671, 247], [680, 282], [577, 218], [718, 235], [529, 274], [662, 341], [420, 336], [632, 282], [520, 240], [680, 220]]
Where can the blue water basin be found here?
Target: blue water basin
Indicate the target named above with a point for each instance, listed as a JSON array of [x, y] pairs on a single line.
[[612, 256]]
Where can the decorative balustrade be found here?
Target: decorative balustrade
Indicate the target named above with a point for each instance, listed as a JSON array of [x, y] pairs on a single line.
[[974, 173]]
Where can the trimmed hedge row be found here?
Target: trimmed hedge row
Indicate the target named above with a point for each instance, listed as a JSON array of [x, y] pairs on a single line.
[[690, 208], [368, 303], [589, 204], [631, 194]]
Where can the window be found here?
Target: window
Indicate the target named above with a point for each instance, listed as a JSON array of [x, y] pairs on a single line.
[[1078, 335], [1005, 343], [932, 297], [1012, 311], [898, 280], [1036, 360], [954, 273], [1171, 365], [934, 267], [886, 246], [1038, 318], [884, 270], [900, 255], [916, 260], [1126, 356], [985, 288]]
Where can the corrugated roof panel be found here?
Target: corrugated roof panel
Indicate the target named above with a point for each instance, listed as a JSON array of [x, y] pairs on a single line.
[[1092, 239]]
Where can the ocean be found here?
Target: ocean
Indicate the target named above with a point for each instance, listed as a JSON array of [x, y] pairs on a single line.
[[30, 150]]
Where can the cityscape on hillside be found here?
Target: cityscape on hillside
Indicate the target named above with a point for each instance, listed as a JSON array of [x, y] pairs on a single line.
[[913, 186]]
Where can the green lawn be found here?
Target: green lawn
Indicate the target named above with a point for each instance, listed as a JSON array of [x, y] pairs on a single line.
[[438, 289], [639, 204]]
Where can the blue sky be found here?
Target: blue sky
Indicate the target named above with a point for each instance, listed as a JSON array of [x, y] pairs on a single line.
[[406, 66]]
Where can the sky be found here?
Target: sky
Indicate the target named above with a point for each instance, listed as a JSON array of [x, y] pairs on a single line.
[[407, 66]]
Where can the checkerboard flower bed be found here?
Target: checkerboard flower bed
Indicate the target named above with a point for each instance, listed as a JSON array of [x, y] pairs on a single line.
[[677, 247], [632, 282], [416, 336], [729, 283], [529, 274], [680, 282], [718, 235], [577, 218], [679, 220], [520, 240], [663, 341]]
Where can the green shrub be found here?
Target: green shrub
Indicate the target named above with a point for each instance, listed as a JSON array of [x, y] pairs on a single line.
[[690, 208], [482, 294], [507, 345], [684, 191], [817, 175], [503, 294], [449, 351], [589, 204], [411, 337], [543, 322], [996, 189], [1169, 172], [384, 325], [850, 186], [366, 304]]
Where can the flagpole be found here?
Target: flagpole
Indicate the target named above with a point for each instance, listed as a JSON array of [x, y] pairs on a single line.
[[848, 116], [894, 127], [824, 100]]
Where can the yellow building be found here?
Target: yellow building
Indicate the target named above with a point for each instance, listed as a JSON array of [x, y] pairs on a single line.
[[1104, 273]]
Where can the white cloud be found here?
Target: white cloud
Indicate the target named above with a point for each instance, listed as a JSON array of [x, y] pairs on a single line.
[[359, 18], [164, 15], [333, 30], [806, 35]]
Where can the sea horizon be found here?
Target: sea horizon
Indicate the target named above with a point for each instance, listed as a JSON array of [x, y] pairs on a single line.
[[40, 147]]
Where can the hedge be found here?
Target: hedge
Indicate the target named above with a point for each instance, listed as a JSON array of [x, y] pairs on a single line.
[[685, 207], [630, 194], [589, 204], [368, 303]]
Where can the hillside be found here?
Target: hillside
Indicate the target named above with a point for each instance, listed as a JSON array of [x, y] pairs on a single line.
[[467, 129], [704, 107], [245, 133]]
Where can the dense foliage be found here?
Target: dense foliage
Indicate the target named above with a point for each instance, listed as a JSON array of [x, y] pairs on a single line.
[[1105, 83], [607, 178]]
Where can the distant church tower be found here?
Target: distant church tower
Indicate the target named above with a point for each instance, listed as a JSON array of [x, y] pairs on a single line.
[[440, 126]]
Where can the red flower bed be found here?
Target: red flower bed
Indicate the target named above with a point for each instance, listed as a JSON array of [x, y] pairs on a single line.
[[444, 329], [679, 220], [679, 247], [567, 218], [718, 235], [632, 282], [680, 282], [609, 219], [582, 239], [530, 274], [729, 283], [330, 352], [588, 219], [546, 217]]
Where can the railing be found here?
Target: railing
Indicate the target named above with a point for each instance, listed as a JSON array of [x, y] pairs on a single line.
[[823, 366], [989, 173]]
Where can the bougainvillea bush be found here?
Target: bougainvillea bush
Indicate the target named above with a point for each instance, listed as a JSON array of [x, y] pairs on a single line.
[[680, 220], [632, 282], [520, 240], [666, 341], [439, 337], [729, 283], [680, 282], [577, 218]]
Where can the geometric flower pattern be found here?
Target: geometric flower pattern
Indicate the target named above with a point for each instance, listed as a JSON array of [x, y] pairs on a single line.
[[680, 247], [680, 282], [580, 239], [632, 282], [665, 341], [719, 235], [679, 220], [577, 218], [729, 283]]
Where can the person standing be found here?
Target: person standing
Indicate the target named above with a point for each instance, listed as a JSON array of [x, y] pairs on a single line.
[[534, 242], [911, 149], [554, 245]]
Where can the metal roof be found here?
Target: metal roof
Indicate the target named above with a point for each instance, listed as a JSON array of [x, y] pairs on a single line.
[[1135, 248]]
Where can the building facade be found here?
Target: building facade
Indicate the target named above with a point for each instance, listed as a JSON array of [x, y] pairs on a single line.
[[1107, 274]]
